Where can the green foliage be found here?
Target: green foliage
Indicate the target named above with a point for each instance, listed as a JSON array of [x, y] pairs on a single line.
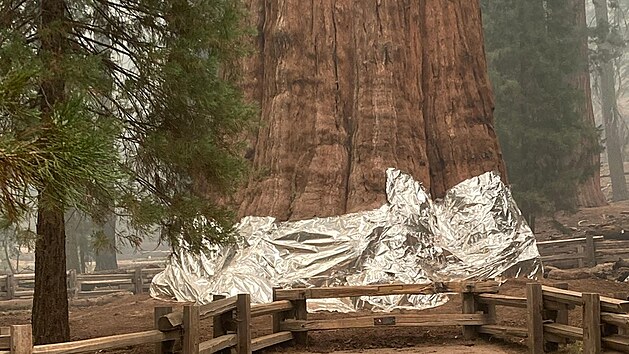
[[150, 118], [534, 55], [14, 238]]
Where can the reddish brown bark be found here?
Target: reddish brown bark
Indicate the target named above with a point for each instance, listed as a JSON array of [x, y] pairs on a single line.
[[458, 101], [349, 88], [589, 192]]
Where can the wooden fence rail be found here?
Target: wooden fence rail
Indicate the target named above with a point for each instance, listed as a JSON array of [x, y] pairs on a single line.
[[472, 317], [20, 286], [583, 251], [605, 319]]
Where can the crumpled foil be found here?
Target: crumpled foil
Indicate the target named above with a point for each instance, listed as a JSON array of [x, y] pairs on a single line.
[[475, 233]]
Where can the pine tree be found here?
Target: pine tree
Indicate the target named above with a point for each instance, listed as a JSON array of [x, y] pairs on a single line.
[[533, 49], [130, 101]]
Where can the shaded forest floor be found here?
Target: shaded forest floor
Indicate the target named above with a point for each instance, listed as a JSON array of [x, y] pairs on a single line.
[[132, 313]]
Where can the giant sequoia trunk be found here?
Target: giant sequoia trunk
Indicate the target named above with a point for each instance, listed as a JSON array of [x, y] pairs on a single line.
[[349, 88], [50, 301]]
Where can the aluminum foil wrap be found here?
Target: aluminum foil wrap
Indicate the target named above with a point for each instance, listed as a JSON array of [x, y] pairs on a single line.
[[475, 233]]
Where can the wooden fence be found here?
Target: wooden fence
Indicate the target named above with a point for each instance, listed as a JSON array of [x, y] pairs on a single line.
[[20, 286], [470, 318], [582, 252], [605, 320]]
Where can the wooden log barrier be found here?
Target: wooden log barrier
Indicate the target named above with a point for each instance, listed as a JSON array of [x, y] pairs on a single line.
[[591, 323], [277, 316], [191, 320], [165, 347], [535, 324], [300, 312], [469, 306], [21, 339], [575, 298], [219, 325], [557, 313], [622, 330], [243, 324], [388, 289]]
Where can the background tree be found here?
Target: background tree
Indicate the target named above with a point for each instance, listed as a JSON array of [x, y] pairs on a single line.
[[535, 52], [150, 125], [348, 89], [13, 239], [609, 48], [589, 193], [104, 244]]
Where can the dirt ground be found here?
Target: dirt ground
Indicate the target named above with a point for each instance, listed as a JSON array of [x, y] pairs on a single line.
[[131, 313], [484, 348]]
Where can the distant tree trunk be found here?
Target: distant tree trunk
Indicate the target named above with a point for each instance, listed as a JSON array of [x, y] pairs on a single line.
[[105, 256], [72, 245], [608, 95], [568, 16], [589, 192], [72, 253], [348, 89], [50, 301], [5, 246]]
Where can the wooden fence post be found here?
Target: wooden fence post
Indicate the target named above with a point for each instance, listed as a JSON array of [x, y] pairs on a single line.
[[590, 249], [277, 316], [10, 286], [243, 324], [300, 312], [469, 305], [535, 324], [165, 347], [191, 320], [591, 323], [581, 252], [21, 339], [219, 324], [622, 296], [558, 314], [137, 281]]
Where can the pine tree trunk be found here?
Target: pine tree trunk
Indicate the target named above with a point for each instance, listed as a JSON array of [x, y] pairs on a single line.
[[348, 89], [105, 257], [50, 301], [608, 95]]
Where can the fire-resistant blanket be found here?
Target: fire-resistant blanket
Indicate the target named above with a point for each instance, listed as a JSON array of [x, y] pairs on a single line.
[[476, 232]]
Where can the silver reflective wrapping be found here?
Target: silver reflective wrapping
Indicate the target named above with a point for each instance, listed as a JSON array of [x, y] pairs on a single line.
[[475, 232]]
